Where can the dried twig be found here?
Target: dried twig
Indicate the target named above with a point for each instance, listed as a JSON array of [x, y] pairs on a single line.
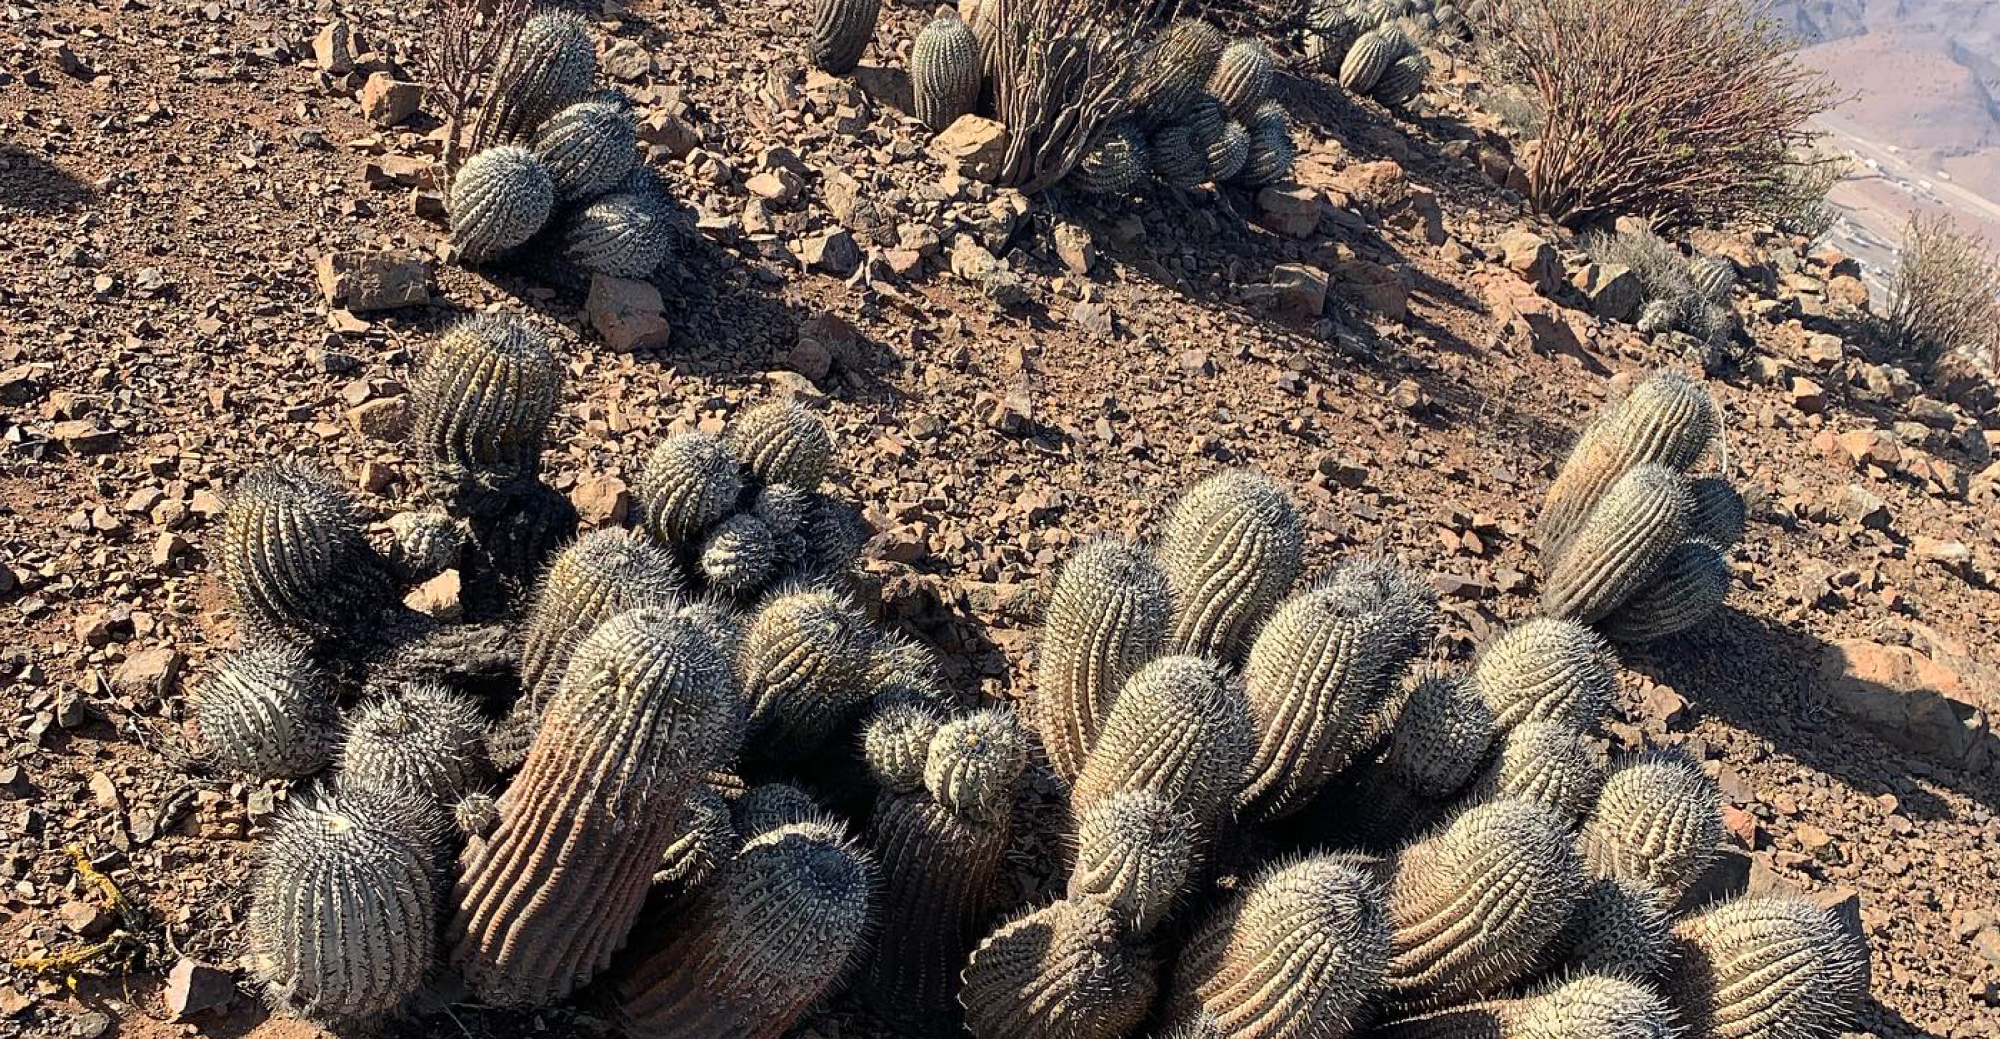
[[1061, 70], [463, 44]]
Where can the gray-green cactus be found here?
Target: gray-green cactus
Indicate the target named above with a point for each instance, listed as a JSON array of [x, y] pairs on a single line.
[[896, 744], [1657, 820], [485, 393], [1668, 419], [587, 148], [688, 482], [1620, 546], [1180, 729], [1618, 928], [294, 559], [1175, 70], [1228, 152], [1271, 149], [1114, 164], [1135, 851], [1107, 617], [548, 66], [783, 444], [1550, 763], [600, 575], [975, 764], [1588, 1006], [1716, 512], [944, 71], [739, 555], [1768, 968], [804, 667], [1231, 552], [1371, 56], [424, 741], [1440, 737], [499, 199], [1403, 81], [268, 711], [623, 235], [1068, 970], [1546, 670], [841, 30], [1243, 76], [705, 839], [1179, 160]]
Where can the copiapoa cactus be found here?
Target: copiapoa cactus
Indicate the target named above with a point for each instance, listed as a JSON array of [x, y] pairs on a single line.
[[1271, 150], [896, 745], [768, 806], [975, 763], [1114, 164], [1440, 737], [688, 482], [1179, 160], [587, 148], [485, 393], [1658, 820], [600, 575], [1403, 81], [625, 234], [705, 839], [1668, 419], [1179, 729], [804, 667], [776, 930], [1231, 551], [425, 741], [1546, 670], [268, 711], [1228, 152], [1691, 585], [1589, 1006], [782, 443], [1768, 968], [1243, 76], [1618, 928], [295, 561], [841, 30], [425, 544], [739, 555], [1716, 512], [1549, 763], [548, 66], [1068, 970], [499, 199], [1176, 69], [1371, 56], [944, 71], [1620, 546], [1106, 618], [1135, 851]]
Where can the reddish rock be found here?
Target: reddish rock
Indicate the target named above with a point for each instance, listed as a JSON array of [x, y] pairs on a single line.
[[628, 313]]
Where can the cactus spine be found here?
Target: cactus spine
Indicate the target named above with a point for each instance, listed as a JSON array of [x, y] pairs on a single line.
[[783, 444], [944, 71], [1174, 72], [896, 744], [1716, 512], [1548, 763], [1440, 737], [1588, 1006], [268, 711], [1179, 160], [587, 148], [1658, 820], [499, 199], [1115, 163], [425, 741], [294, 559], [705, 839], [1271, 149], [739, 555], [1231, 551], [1546, 670], [1065, 971], [1692, 583], [1181, 730], [1134, 851], [1620, 546], [626, 234], [1619, 928], [600, 575], [1768, 968], [1668, 419], [485, 393], [1404, 80], [548, 66], [1106, 618], [1369, 58], [840, 32]]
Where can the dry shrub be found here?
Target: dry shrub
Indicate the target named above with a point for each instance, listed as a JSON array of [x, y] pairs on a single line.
[[463, 40], [1059, 71], [1944, 302], [1681, 111]]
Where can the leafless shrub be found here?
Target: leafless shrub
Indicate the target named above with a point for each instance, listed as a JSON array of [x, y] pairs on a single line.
[[461, 46], [1686, 112], [1944, 302], [1060, 70], [1798, 204]]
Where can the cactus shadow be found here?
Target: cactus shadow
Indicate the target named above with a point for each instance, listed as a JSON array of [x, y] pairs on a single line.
[[1763, 677], [33, 185]]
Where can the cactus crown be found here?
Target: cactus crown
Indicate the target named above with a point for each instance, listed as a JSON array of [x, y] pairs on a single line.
[[1658, 819], [1768, 966], [426, 740], [689, 481], [587, 148], [1231, 550], [975, 763], [499, 199], [768, 806], [1135, 851], [896, 744], [485, 392], [1440, 737], [1546, 670], [1106, 618]]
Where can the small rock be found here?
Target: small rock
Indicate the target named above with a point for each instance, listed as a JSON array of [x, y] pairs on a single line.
[[386, 419], [333, 48], [13, 1001], [1375, 288], [367, 279], [628, 313], [1613, 291], [386, 100], [84, 436], [1865, 508], [1301, 290], [85, 918], [1075, 248], [1824, 351], [148, 674], [972, 146], [1875, 449], [626, 61], [193, 986], [1807, 396], [778, 186], [1914, 701], [1533, 258], [601, 501], [1950, 554], [833, 252], [438, 597], [1290, 209], [90, 1025]]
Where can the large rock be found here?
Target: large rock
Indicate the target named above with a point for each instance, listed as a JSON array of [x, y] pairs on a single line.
[[628, 313], [1613, 290], [1290, 210], [1922, 704], [1533, 258], [367, 279], [1376, 288], [972, 146], [386, 100]]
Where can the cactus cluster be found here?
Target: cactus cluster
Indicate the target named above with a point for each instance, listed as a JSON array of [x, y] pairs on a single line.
[[1634, 545], [1373, 48], [556, 170], [1208, 116], [1679, 295]]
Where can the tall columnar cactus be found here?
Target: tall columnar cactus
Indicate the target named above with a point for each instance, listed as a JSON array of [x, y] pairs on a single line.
[[804, 666], [1619, 927], [1716, 512], [1315, 676], [841, 30], [268, 711], [1440, 737], [1768, 968], [1243, 76], [776, 930], [1549, 763], [424, 741], [688, 482], [625, 234], [1231, 551], [1403, 81], [548, 66], [1134, 851], [600, 575], [1180, 729], [587, 148], [343, 904], [1668, 419], [944, 71], [1294, 957], [1691, 585], [646, 707], [1659, 820], [485, 393], [939, 849], [499, 199], [1371, 57], [295, 561], [1175, 70], [1115, 163], [783, 444], [1546, 670], [1068, 970], [1473, 906], [1620, 546], [1587, 1006], [1106, 618]]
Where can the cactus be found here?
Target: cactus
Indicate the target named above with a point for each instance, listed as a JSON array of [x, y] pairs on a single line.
[[646, 707], [268, 711], [840, 32], [1135, 851], [1404, 80], [782, 443], [1228, 152], [425, 741], [782, 508], [1588, 1006], [1174, 71], [704, 840], [1658, 315], [600, 575], [1716, 512], [1178, 159], [1620, 547], [1243, 76], [896, 743], [1658, 820], [1407, 604], [1546, 670], [499, 199], [739, 555], [1315, 675], [804, 667], [1067, 970], [1231, 551], [768, 806], [944, 71], [1692, 584], [1667, 419], [1106, 618], [1271, 149], [1440, 737], [485, 393], [828, 541], [626, 234], [1473, 906], [1371, 57], [343, 904], [975, 764], [1180, 729], [1549, 763], [1768, 968], [1115, 163], [1294, 957], [688, 482], [475, 815], [1618, 928], [1712, 276], [425, 545], [587, 148], [548, 66], [295, 561], [775, 931]]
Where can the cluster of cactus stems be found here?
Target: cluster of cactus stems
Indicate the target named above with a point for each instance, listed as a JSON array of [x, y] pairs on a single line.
[[1634, 544], [1374, 48], [556, 171]]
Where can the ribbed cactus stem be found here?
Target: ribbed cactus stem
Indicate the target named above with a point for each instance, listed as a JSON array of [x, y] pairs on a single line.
[[1115, 163], [295, 562], [1716, 512], [1231, 551], [425, 741], [1549, 763], [625, 234], [1589, 1006], [587, 148], [1620, 546], [1068, 970], [1440, 737], [600, 575], [1658, 820], [768, 806], [268, 711], [549, 65], [840, 33], [1370, 58], [1546, 670], [975, 764], [1690, 587], [1180, 730], [1618, 928], [944, 71], [739, 555], [1107, 617], [1668, 419], [782, 443], [688, 482], [1243, 77], [499, 200], [1768, 968], [1175, 70], [705, 839], [485, 393], [1135, 851], [804, 667]]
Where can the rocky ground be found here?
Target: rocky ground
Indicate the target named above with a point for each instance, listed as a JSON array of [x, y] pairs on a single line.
[[196, 201]]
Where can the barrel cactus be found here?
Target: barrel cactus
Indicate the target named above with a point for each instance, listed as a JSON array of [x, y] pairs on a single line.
[[1175, 70], [1179, 160], [1135, 851], [425, 544], [1658, 820], [1713, 277], [294, 560], [1271, 149], [268, 711], [1716, 512], [1181, 730], [1549, 763], [1403, 81], [425, 741], [1546, 670], [896, 745], [1691, 585], [975, 764], [1619, 927], [705, 839], [1440, 737], [1586, 1006], [1115, 163], [587, 148], [1228, 152], [548, 66], [841, 30], [1620, 546], [783, 444], [1231, 551], [499, 199], [1668, 419], [1243, 76], [804, 667], [1106, 618], [1068, 970], [626, 234], [687, 482], [600, 575], [1768, 968], [1370, 58], [739, 555], [485, 393], [944, 71]]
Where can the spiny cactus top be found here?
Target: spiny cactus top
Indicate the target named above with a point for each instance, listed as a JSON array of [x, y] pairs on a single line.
[[1174, 72], [587, 148], [1404, 80], [1106, 618], [646, 707], [1134, 850], [1713, 276], [427, 741], [1115, 163], [1294, 957], [767, 806], [1716, 512], [1668, 419], [739, 555], [1231, 551], [782, 442], [689, 481], [294, 558], [1408, 604], [548, 66], [1658, 819], [944, 71], [1474, 905], [1242, 78], [485, 392], [1618, 928], [1691, 585], [840, 33], [975, 763], [705, 839], [499, 199], [1768, 968], [1546, 670], [773, 932], [1549, 763], [1181, 730], [805, 668], [1067, 970], [625, 234], [1588, 1006], [600, 575], [896, 744], [1271, 149], [343, 904], [1620, 546], [1440, 737], [268, 710]]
